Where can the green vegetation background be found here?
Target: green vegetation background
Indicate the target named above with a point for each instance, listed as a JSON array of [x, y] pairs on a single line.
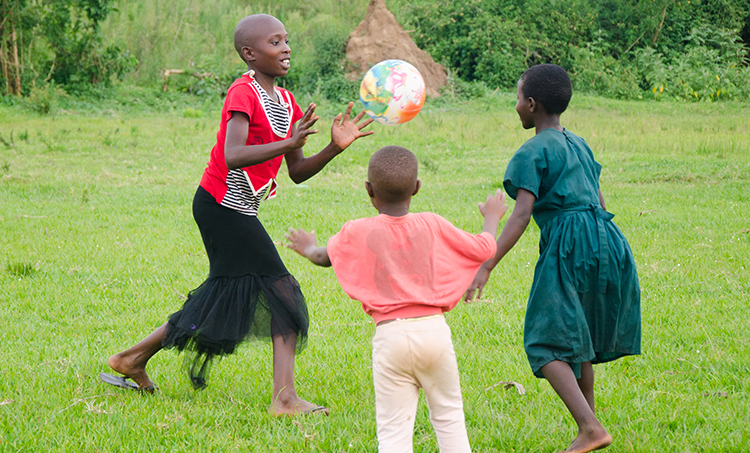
[[687, 50]]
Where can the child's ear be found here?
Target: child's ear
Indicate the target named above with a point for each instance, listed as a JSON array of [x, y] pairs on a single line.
[[417, 187], [368, 187], [532, 104], [247, 54]]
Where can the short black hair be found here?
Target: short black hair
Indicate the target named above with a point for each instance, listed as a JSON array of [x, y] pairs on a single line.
[[549, 85], [393, 173]]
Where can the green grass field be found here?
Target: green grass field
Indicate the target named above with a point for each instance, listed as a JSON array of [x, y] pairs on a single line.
[[98, 245]]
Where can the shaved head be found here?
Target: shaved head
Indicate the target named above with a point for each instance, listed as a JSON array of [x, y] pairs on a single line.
[[252, 28], [393, 173]]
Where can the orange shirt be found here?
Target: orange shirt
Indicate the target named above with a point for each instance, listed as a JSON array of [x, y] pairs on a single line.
[[407, 267]]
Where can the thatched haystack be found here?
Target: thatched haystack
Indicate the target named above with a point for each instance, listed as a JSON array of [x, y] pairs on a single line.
[[380, 37]]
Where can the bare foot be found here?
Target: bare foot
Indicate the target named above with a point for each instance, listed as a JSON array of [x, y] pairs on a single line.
[[590, 441], [124, 366], [295, 406]]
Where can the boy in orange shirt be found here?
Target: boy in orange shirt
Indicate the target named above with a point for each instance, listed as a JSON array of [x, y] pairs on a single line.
[[408, 269]]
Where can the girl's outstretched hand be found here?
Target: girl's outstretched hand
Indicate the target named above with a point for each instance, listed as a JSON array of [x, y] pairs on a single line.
[[477, 286], [303, 129], [344, 131]]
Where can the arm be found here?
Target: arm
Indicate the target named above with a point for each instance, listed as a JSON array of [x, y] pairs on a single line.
[[306, 245], [601, 200], [343, 134], [493, 210], [237, 154], [513, 230]]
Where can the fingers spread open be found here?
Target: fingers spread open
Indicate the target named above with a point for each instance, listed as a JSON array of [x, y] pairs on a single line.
[[365, 124], [348, 111]]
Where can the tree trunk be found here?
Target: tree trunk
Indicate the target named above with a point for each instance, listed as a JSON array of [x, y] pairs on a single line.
[[15, 64], [661, 24], [11, 65]]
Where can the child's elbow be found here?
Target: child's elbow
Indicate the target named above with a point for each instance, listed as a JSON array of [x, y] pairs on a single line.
[[229, 159], [296, 178]]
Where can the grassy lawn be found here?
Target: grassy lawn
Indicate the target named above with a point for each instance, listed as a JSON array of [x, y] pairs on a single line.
[[98, 245]]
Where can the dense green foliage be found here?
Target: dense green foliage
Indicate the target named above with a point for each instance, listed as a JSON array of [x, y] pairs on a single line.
[[493, 41], [687, 50], [59, 41]]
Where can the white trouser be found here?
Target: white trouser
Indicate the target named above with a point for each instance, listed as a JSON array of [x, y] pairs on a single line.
[[407, 355]]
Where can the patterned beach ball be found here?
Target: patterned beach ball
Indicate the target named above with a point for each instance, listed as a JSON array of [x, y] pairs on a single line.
[[392, 92]]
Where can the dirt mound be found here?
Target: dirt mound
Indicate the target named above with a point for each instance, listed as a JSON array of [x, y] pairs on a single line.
[[379, 37]]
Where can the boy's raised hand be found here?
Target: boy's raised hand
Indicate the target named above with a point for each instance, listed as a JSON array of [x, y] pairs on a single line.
[[494, 206], [492, 210], [300, 240], [302, 130], [306, 245], [344, 131]]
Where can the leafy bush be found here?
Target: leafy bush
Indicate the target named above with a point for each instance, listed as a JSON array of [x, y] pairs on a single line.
[[322, 72], [712, 67], [457, 88], [596, 71], [603, 44], [44, 100]]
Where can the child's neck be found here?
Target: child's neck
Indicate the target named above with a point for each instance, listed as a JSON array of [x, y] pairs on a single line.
[[545, 121], [399, 209], [267, 83]]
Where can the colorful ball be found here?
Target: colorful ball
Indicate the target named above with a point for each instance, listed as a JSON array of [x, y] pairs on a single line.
[[392, 92]]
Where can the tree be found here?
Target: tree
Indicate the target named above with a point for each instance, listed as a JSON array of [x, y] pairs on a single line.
[[59, 41], [10, 34]]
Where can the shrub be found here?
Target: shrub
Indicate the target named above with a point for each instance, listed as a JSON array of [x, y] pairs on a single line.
[[712, 67], [44, 100], [595, 70]]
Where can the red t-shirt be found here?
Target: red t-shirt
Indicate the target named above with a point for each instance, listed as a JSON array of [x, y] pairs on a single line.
[[244, 96], [407, 267]]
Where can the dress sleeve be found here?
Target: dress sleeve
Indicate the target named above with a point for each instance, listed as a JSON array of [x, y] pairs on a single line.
[[597, 167], [240, 98], [525, 170]]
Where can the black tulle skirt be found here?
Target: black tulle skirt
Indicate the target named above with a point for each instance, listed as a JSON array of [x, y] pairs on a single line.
[[248, 293]]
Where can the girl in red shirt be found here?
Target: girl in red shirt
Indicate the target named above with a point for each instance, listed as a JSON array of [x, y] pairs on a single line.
[[249, 292]]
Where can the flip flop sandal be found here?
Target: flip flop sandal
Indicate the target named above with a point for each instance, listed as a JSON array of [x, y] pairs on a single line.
[[317, 409], [125, 383]]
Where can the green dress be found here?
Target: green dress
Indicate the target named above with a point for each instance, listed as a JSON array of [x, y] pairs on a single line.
[[585, 301]]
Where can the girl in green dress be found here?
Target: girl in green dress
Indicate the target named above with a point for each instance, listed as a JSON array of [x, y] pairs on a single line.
[[584, 305]]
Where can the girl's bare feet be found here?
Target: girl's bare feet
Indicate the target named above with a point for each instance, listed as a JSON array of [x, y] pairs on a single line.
[[288, 403], [594, 440], [285, 399]]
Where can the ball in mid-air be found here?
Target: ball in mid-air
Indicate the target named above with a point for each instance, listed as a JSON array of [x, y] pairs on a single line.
[[392, 92]]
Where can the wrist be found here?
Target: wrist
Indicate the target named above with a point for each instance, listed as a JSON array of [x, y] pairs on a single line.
[[489, 265], [334, 148], [492, 217], [309, 251]]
